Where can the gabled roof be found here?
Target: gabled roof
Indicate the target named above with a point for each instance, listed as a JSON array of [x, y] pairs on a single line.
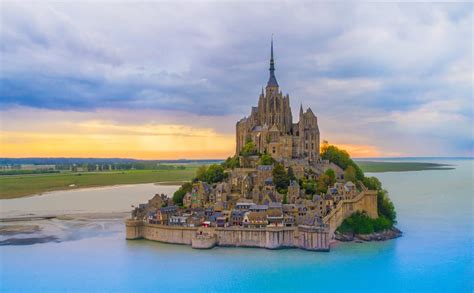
[[274, 128], [275, 205]]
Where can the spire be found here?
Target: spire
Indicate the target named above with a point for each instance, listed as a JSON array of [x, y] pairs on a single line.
[[272, 80], [301, 109]]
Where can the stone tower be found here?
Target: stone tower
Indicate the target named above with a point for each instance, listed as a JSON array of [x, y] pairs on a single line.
[[270, 125]]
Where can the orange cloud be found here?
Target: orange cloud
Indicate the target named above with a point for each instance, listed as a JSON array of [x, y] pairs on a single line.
[[365, 151]]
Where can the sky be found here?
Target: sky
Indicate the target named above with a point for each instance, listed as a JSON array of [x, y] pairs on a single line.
[[169, 80]]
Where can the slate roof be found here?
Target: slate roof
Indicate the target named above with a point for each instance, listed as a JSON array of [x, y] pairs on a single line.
[[260, 207], [264, 167]]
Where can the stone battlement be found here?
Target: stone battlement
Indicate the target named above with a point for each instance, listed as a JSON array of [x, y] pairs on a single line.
[[304, 237]]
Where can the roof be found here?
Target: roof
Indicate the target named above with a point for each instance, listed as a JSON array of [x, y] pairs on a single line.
[[206, 187], [260, 207], [274, 213], [257, 216], [328, 197], [244, 204], [274, 128], [332, 190], [310, 112], [271, 196], [349, 184], [264, 167], [288, 207], [237, 213], [272, 80], [275, 205], [316, 197]]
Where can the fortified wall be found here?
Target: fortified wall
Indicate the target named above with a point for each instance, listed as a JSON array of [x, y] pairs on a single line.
[[304, 237]]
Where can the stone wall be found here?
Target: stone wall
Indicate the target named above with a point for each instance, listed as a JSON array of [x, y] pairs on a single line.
[[314, 238], [271, 238], [305, 237], [133, 229], [365, 201]]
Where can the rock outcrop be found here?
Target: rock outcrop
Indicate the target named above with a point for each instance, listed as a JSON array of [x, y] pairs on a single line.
[[376, 236]]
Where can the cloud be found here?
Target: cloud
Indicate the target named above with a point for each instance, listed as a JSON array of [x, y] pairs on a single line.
[[108, 133], [374, 73]]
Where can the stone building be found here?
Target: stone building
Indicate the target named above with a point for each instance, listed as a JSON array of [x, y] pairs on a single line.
[[270, 126]]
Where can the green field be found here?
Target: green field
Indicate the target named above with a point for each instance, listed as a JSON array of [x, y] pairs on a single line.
[[382, 166], [12, 186], [24, 185]]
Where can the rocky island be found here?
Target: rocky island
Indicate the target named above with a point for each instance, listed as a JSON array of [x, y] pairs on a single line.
[[281, 189]]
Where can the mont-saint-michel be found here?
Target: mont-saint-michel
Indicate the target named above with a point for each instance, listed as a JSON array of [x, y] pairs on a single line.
[[283, 188]]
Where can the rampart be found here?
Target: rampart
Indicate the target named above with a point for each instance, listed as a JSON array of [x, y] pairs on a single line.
[[304, 237]]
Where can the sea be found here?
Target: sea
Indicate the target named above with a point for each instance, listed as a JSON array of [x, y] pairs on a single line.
[[435, 253]]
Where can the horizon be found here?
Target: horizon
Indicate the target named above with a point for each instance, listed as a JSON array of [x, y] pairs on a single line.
[[384, 79], [207, 159]]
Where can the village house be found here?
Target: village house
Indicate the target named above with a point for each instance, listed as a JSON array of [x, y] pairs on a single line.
[[255, 220]]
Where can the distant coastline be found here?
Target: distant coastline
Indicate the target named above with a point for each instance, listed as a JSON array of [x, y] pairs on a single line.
[[15, 186]]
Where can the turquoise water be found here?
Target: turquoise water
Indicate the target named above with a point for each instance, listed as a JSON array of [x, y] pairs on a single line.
[[434, 255]]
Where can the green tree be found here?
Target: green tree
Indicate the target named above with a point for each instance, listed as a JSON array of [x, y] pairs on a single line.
[[201, 173], [249, 149], [350, 174], [280, 178], [285, 199], [213, 174], [331, 175], [361, 223], [372, 183], [342, 159], [322, 184], [385, 207], [266, 159], [181, 192], [291, 173], [231, 163], [309, 187]]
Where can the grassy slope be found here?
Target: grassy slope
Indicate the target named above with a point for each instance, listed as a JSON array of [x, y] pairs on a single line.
[[23, 185], [373, 166]]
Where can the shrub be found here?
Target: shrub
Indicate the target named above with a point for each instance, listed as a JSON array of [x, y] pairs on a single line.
[[342, 159], [280, 178], [249, 149], [350, 174], [231, 163], [181, 192], [266, 159]]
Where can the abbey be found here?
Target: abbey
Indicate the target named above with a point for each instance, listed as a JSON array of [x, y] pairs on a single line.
[[270, 126], [275, 192]]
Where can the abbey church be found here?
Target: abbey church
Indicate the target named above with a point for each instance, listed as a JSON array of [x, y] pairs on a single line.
[[270, 126]]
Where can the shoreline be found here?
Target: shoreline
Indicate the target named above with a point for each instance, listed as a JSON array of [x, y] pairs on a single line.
[[88, 215], [164, 183], [385, 235]]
